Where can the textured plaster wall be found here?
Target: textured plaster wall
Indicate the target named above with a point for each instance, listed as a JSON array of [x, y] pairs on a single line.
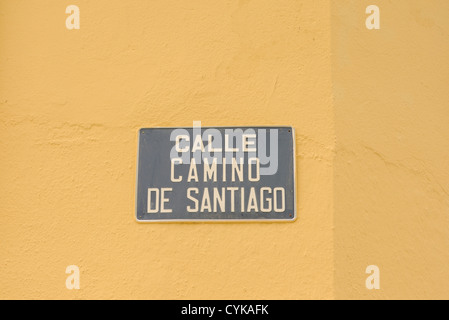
[[71, 103], [370, 109], [391, 95]]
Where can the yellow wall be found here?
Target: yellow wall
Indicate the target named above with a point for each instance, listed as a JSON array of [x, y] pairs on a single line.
[[71, 105], [391, 101], [370, 110]]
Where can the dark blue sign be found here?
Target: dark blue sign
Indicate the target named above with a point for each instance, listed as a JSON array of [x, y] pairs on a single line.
[[216, 174]]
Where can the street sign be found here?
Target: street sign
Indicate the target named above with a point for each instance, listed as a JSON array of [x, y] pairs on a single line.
[[216, 174]]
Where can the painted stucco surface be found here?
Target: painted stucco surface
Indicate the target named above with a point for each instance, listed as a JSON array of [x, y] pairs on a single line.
[[71, 103], [370, 111], [391, 101]]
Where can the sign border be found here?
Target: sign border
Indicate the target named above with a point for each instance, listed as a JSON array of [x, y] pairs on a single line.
[[164, 221]]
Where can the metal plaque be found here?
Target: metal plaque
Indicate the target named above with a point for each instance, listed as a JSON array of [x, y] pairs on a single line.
[[216, 174]]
